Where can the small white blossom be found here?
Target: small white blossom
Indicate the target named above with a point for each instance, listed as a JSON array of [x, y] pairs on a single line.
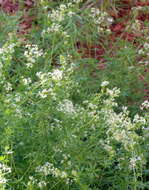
[[145, 105], [141, 51], [42, 184], [57, 74], [26, 81], [66, 106], [110, 20], [146, 46], [32, 53], [8, 86], [139, 119], [133, 161], [74, 173], [44, 93], [104, 83]]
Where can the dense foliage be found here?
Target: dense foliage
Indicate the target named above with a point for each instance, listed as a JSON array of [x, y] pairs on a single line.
[[74, 109]]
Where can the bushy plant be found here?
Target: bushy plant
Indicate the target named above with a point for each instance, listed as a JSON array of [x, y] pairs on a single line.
[[60, 144], [62, 124], [55, 141]]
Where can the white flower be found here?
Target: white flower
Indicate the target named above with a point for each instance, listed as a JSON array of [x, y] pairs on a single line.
[[110, 19], [57, 74], [133, 161], [42, 184], [74, 173], [29, 65], [26, 81], [32, 53], [17, 98], [92, 106], [139, 119], [114, 92], [66, 106], [63, 174], [43, 93], [48, 168], [140, 51], [104, 83], [62, 7], [145, 105], [2, 180], [54, 28], [146, 46], [8, 86], [4, 168]]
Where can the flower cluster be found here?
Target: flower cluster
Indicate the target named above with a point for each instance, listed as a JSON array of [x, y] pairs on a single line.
[[145, 105], [6, 53], [66, 107], [40, 184], [144, 50], [102, 19], [57, 75], [49, 169], [104, 83], [48, 80], [32, 53], [134, 161], [53, 28], [4, 170]]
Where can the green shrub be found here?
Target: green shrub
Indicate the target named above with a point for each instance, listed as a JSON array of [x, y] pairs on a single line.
[[61, 126]]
